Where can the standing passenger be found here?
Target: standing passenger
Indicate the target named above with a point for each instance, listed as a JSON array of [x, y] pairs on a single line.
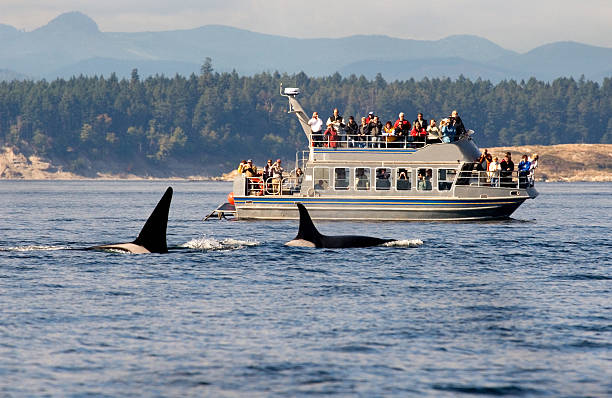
[[316, 125], [375, 128], [506, 167], [337, 121], [352, 130], [364, 131], [402, 128], [433, 133]]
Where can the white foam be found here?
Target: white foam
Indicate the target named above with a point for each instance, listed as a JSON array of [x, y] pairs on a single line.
[[404, 243], [205, 243]]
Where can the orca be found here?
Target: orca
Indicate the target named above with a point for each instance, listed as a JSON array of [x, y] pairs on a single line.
[[308, 236], [152, 237]]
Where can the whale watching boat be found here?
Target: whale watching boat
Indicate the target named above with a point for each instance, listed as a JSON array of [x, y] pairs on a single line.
[[382, 181]]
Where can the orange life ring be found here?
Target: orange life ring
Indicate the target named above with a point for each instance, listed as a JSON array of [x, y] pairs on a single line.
[[259, 181]]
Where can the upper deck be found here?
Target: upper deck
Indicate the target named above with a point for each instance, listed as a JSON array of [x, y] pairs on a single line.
[[348, 149]]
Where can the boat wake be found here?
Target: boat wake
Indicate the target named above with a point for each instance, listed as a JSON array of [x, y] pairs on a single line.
[[31, 248], [208, 244], [404, 243]]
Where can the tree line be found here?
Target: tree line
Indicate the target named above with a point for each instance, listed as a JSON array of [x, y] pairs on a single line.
[[217, 117]]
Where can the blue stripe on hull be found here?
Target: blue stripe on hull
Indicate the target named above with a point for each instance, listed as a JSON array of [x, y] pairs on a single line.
[[373, 201]]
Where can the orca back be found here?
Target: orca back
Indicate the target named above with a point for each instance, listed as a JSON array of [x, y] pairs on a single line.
[[309, 233], [153, 235]]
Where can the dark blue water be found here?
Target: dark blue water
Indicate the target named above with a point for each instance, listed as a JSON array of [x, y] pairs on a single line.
[[520, 307]]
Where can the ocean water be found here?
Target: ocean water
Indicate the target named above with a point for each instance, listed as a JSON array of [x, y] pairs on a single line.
[[521, 307]]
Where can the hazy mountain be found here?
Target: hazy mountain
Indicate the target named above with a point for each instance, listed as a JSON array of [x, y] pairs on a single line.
[[72, 44]]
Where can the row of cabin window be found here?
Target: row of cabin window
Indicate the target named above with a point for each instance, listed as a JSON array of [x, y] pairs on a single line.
[[361, 179]]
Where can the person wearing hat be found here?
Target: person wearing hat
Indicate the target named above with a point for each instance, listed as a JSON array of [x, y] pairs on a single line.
[[250, 169], [370, 117]]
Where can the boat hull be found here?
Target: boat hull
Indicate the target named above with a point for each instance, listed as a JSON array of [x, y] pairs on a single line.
[[388, 209]]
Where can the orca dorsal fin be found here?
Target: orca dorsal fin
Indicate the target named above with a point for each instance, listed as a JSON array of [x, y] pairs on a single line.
[[153, 235], [307, 230]]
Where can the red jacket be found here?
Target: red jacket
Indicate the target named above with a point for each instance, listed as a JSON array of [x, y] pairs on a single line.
[[420, 133], [332, 135], [405, 125]]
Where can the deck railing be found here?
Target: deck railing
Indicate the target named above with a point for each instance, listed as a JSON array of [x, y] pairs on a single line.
[[369, 141], [497, 179], [289, 185], [273, 186]]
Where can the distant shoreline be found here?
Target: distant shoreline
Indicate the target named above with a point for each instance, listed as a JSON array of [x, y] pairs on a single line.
[[558, 163]]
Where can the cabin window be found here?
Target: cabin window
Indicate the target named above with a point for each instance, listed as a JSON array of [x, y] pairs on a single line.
[[446, 178], [362, 179], [341, 178], [424, 179], [383, 179], [321, 178], [403, 179]]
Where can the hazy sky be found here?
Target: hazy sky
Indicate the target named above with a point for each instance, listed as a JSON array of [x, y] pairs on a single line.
[[518, 25]]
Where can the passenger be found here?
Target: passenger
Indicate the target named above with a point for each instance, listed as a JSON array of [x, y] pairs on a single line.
[[402, 128], [448, 131], [506, 167], [338, 122], [320, 186], [277, 176], [433, 133], [370, 117], [493, 170], [331, 136], [241, 166], [402, 180], [299, 175], [482, 160], [524, 167], [352, 131], [250, 170], [296, 183], [456, 122], [266, 175], [375, 128], [428, 175], [421, 180], [422, 122], [418, 133], [362, 181], [534, 165], [316, 127], [364, 132], [382, 179], [389, 133]]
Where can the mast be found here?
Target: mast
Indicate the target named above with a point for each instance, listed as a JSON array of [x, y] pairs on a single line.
[[296, 108]]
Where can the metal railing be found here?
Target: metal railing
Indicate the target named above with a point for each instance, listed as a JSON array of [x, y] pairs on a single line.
[[496, 179], [257, 186], [368, 141]]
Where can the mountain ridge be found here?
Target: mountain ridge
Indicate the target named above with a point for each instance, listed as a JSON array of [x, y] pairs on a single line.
[[72, 39]]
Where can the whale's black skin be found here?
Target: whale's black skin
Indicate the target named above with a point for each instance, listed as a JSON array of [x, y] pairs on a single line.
[[152, 237], [308, 236]]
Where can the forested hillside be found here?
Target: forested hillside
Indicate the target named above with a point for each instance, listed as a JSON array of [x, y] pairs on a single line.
[[213, 119]]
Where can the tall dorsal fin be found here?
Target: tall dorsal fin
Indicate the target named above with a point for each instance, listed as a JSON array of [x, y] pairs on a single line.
[[307, 230], [153, 235]]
